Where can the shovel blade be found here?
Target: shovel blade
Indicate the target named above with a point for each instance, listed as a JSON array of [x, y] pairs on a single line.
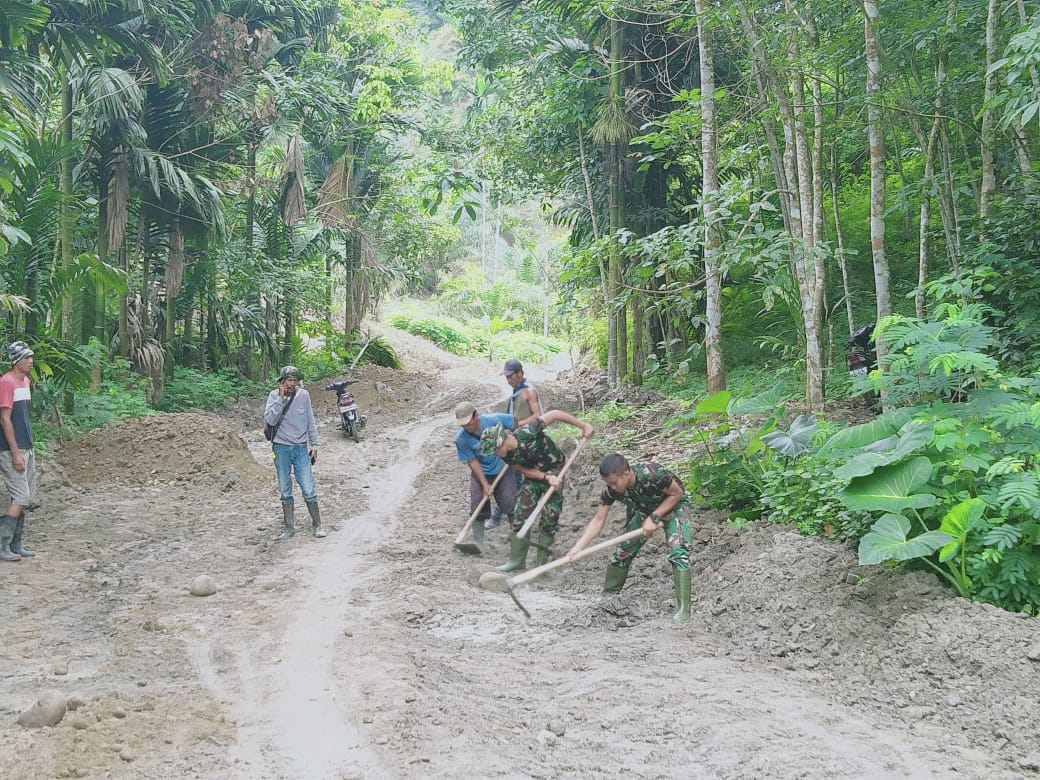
[[469, 548]]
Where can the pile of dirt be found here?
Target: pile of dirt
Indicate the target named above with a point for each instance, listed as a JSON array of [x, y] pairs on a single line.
[[161, 448], [379, 391]]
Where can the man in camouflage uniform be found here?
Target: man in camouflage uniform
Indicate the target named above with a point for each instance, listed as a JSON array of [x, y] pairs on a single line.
[[654, 497], [532, 453]]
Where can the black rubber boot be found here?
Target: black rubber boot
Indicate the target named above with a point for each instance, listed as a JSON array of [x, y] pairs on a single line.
[[7, 529], [316, 527], [16, 543], [615, 580], [518, 547], [288, 521]]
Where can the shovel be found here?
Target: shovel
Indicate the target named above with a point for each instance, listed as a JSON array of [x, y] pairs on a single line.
[[537, 511], [471, 548], [538, 571]]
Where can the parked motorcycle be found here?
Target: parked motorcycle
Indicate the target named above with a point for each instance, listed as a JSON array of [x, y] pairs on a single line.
[[351, 421], [862, 356]]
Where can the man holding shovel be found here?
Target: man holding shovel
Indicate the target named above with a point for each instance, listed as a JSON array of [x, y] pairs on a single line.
[[532, 453], [654, 497], [483, 468]]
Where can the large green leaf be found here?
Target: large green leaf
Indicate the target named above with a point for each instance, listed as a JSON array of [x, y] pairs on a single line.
[[796, 440], [716, 403], [886, 541], [912, 437], [763, 403], [891, 488], [862, 435], [957, 522]]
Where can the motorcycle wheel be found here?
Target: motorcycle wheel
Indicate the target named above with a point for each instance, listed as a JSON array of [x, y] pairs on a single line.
[[353, 432]]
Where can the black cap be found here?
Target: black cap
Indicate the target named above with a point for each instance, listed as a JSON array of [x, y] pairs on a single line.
[[512, 366]]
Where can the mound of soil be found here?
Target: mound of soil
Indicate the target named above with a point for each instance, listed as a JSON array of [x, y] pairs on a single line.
[[161, 448]]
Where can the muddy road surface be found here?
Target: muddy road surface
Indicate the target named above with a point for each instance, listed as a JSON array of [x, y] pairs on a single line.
[[373, 653]]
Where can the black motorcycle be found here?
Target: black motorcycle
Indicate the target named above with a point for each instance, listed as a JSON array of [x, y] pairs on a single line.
[[351, 421], [862, 356]]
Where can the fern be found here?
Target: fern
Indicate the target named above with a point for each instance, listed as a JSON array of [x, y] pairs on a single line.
[[1020, 489]]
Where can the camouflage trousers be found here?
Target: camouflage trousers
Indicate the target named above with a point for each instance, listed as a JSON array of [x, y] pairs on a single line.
[[678, 536], [531, 493]]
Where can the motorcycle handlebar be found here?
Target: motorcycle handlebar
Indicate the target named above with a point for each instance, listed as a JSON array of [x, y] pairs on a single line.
[[340, 384]]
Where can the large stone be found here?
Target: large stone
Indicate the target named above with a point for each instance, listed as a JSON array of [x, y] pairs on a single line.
[[493, 580], [203, 585], [48, 710]]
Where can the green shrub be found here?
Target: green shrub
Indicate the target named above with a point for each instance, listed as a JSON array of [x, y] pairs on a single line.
[[193, 389], [445, 334], [804, 493]]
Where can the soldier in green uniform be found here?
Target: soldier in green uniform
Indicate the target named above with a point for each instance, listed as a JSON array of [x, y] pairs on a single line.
[[532, 453], [654, 497]]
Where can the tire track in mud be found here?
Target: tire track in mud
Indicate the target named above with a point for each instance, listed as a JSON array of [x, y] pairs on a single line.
[[295, 717]]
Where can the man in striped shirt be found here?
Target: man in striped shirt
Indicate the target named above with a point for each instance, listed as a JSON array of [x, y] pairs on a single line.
[[17, 459]]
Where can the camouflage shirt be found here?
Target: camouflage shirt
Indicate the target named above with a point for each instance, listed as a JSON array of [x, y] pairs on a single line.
[[652, 481], [534, 449]]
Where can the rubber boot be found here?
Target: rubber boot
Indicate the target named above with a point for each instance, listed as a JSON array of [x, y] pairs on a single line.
[[615, 580], [16, 543], [288, 527], [316, 527], [477, 531], [518, 547], [681, 577], [7, 526], [542, 553]]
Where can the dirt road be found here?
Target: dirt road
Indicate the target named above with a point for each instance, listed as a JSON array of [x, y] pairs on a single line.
[[372, 653]]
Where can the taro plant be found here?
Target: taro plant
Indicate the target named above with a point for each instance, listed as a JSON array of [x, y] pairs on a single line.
[[740, 441], [966, 477]]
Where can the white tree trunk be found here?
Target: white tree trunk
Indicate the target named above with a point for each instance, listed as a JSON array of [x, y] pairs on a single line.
[[710, 189], [876, 142]]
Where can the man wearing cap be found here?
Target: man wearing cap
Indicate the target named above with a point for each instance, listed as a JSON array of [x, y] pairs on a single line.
[[483, 468], [532, 453], [525, 405], [295, 445], [17, 458]]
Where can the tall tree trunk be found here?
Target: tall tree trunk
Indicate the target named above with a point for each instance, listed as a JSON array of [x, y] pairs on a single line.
[[839, 237], [68, 222], [988, 133], [876, 141], [716, 368]]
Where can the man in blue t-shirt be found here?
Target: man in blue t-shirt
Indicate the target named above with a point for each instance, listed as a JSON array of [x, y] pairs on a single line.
[[483, 468]]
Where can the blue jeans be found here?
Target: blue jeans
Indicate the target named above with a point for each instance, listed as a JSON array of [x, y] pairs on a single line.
[[294, 457]]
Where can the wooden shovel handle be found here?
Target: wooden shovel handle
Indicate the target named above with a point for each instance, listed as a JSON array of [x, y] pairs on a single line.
[[538, 571], [545, 498], [465, 529]]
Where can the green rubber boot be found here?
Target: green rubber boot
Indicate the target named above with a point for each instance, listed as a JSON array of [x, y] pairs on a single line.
[[615, 580], [542, 551], [681, 578], [477, 532], [16, 543], [518, 548]]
